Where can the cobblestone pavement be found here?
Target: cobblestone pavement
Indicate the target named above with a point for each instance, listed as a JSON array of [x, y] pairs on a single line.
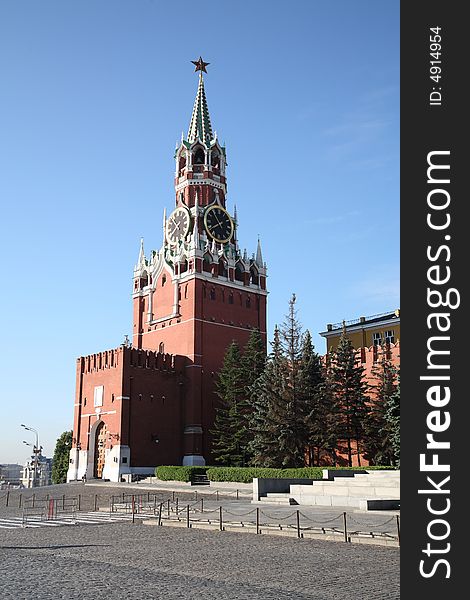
[[125, 561], [315, 516]]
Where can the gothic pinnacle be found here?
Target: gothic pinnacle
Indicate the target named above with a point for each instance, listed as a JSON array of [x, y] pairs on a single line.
[[141, 259], [259, 255]]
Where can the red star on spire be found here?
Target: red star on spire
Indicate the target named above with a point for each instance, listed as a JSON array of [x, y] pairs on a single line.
[[200, 65]]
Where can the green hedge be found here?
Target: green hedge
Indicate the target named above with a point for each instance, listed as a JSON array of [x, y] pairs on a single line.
[[245, 474], [178, 473]]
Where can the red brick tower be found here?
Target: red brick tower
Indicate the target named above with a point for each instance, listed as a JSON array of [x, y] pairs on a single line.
[[199, 291], [153, 402]]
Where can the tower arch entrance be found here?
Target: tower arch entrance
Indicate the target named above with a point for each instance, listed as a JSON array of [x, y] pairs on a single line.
[[100, 450]]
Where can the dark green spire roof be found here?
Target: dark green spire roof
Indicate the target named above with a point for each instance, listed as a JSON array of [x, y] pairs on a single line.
[[200, 125]]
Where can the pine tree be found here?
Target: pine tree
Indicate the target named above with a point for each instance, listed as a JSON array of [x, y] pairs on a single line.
[[378, 433], [229, 387], [392, 418], [320, 403], [281, 399], [349, 390], [291, 412], [311, 378], [60, 461], [252, 366], [267, 391]]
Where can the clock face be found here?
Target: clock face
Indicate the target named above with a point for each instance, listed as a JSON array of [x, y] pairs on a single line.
[[218, 224], [177, 226]]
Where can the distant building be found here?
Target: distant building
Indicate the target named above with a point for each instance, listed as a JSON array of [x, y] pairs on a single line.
[[370, 337], [365, 332], [10, 474], [40, 476]]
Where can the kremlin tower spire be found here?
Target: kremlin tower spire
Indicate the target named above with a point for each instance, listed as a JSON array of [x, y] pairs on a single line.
[[200, 127]]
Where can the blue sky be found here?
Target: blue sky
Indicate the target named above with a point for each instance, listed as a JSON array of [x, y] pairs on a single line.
[[93, 97]]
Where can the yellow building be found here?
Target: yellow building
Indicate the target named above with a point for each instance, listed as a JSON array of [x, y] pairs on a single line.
[[365, 332]]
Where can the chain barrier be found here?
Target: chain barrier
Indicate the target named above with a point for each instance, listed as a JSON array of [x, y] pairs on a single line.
[[276, 517], [373, 525], [227, 512], [323, 521]]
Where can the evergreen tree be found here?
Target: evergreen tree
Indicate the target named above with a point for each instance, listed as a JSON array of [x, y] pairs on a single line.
[[311, 379], [252, 365], [392, 418], [346, 378], [291, 411], [378, 433], [266, 392], [226, 445], [320, 403], [60, 461], [281, 397]]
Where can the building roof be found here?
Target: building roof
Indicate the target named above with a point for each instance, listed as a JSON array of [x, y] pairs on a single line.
[[361, 322]]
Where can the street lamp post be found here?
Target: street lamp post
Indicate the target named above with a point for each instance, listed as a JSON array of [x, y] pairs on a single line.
[[36, 451]]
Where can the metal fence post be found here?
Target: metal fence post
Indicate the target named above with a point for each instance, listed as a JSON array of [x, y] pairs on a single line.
[[63, 501], [168, 507], [221, 525], [34, 498], [79, 502], [173, 495], [345, 528], [8, 497], [298, 523], [257, 520], [237, 493], [20, 499], [177, 506], [398, 528], [217, 495], [133, 508], [187, 516], [160, 513], [202, 505], [95, 508]]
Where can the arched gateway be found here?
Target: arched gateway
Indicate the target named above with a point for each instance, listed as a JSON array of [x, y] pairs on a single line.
[[100, 448]]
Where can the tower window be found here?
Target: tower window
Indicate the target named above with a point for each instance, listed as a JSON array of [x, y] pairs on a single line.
[[223, 268], [163, 280], [206, 264], [161, 348], [199, 157], [239, 275]]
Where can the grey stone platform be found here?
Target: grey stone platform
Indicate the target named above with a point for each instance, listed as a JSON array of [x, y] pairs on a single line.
[[366, 490]]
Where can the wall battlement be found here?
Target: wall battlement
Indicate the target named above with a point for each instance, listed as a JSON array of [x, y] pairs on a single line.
[[144, 359]]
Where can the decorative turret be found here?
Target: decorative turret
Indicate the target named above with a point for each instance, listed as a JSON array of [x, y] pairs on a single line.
[[259, 255]]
